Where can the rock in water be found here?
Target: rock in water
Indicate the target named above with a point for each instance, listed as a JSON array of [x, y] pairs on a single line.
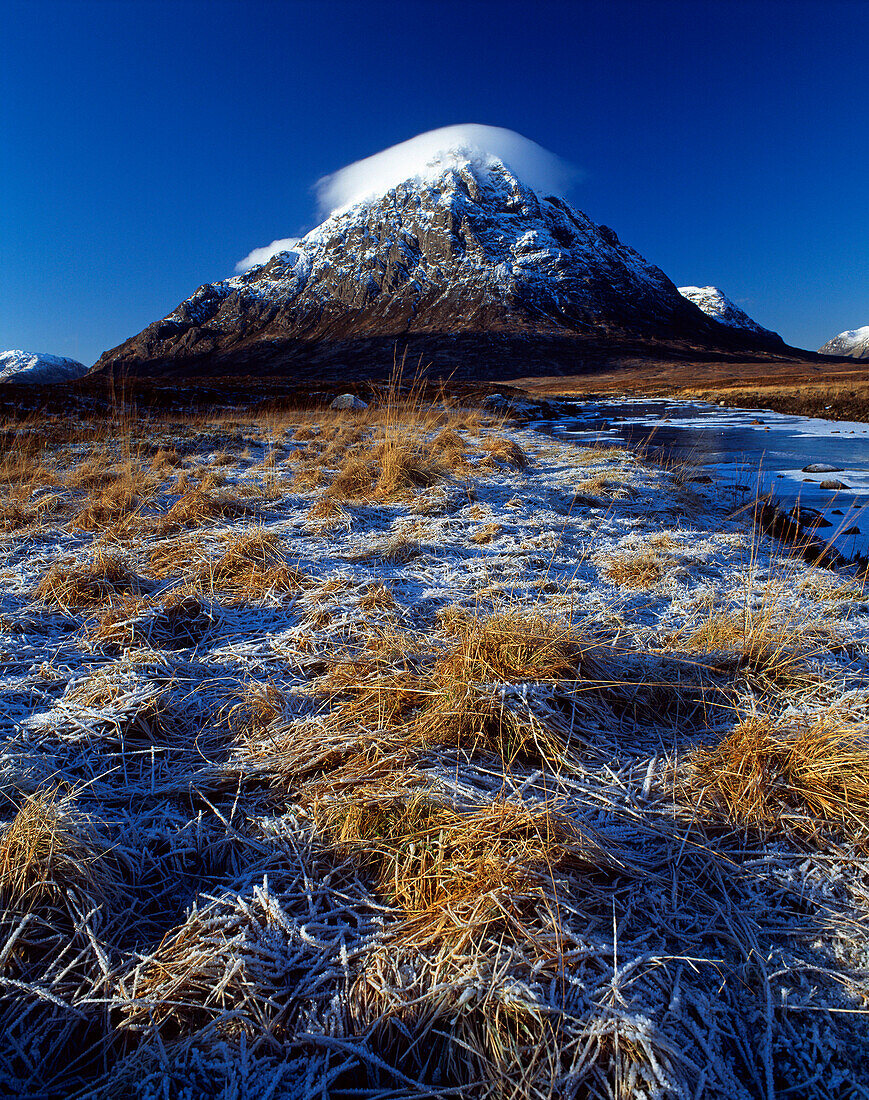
[[833, 484], [38, 368], [348, 401], [821, 468], [470, 269], [853, 343]]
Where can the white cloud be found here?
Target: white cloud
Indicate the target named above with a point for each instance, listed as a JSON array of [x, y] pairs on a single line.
[[264, 254], [427, 155]]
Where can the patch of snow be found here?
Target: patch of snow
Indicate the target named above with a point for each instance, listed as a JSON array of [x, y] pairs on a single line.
[[35, 367], [262, 255]]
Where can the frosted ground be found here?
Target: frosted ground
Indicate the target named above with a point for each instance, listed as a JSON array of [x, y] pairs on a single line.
[[208, 743]]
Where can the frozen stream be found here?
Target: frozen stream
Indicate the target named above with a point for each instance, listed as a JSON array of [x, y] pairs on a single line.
[[762, 451]]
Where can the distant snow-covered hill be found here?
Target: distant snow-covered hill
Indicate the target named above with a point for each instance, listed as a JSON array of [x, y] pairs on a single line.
[[718, 306], [854, 342], [38, 367]]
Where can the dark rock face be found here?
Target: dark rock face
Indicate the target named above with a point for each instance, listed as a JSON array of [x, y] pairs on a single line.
[[472, 267]]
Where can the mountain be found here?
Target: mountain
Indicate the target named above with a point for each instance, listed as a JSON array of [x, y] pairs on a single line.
[[854, 343], [718, 306], [471, 269], [33, 367]]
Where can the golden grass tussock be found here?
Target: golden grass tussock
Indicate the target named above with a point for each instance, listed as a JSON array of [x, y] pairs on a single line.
[[601, 485], [377, 597], [45, 850], [772, 774], [512, 647], [198, 507], [506, 451], [767, 642], [593, 454], [115, 507], [455, 873], [449, 440], [641, 568], [73, 587], [182, 555], [253, 566], [486, 533], [17, 515]]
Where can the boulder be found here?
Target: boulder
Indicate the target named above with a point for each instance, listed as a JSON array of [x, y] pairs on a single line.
[[821, 468], [348, 401], [833, 484]]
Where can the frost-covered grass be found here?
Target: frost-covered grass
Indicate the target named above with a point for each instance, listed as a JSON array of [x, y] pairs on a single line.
[[402, 753]]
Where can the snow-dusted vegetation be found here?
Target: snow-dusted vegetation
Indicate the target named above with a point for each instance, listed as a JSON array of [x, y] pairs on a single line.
[[399, 752]]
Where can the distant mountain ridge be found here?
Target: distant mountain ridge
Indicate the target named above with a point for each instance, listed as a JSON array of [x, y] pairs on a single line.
[[718, 306], [470, 265], [37, 368], [853, 343]]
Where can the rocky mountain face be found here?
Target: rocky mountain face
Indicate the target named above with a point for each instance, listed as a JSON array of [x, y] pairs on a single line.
[[38, 368], [473, 272], [853, 343], [718, 306]]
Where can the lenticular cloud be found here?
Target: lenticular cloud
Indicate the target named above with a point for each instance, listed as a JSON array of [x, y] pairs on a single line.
[[424, 157], [427, 155], [264, 254]]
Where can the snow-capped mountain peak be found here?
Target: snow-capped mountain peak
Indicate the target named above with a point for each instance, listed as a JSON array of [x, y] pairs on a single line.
[[38, 367], [718, 306], [854, 343], [474, 255]]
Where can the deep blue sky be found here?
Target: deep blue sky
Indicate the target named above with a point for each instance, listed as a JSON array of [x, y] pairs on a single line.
[[146, 147]]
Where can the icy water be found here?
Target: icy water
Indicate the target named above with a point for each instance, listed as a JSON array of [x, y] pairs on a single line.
[[758, 451]]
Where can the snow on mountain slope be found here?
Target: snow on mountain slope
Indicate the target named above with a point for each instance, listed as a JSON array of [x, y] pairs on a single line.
[[38, 367], [718, 306], [854, 342], [465, 263]]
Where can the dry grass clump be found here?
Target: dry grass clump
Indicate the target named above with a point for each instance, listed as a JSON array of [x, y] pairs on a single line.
[[377, 597], [398, 549], [115, 507], [44, 851], [17, 515], [592, 454], [828, 589], [641, 568], [120, 624], [769, 774], [512, 647], [454, 873], [448, 440], [603, 486], [389, 467], [467, 717], [172, 557], [767, 641], [71, 587], [486, 533], [506, 451], [253, 566], [197, 507], [261, 705]]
